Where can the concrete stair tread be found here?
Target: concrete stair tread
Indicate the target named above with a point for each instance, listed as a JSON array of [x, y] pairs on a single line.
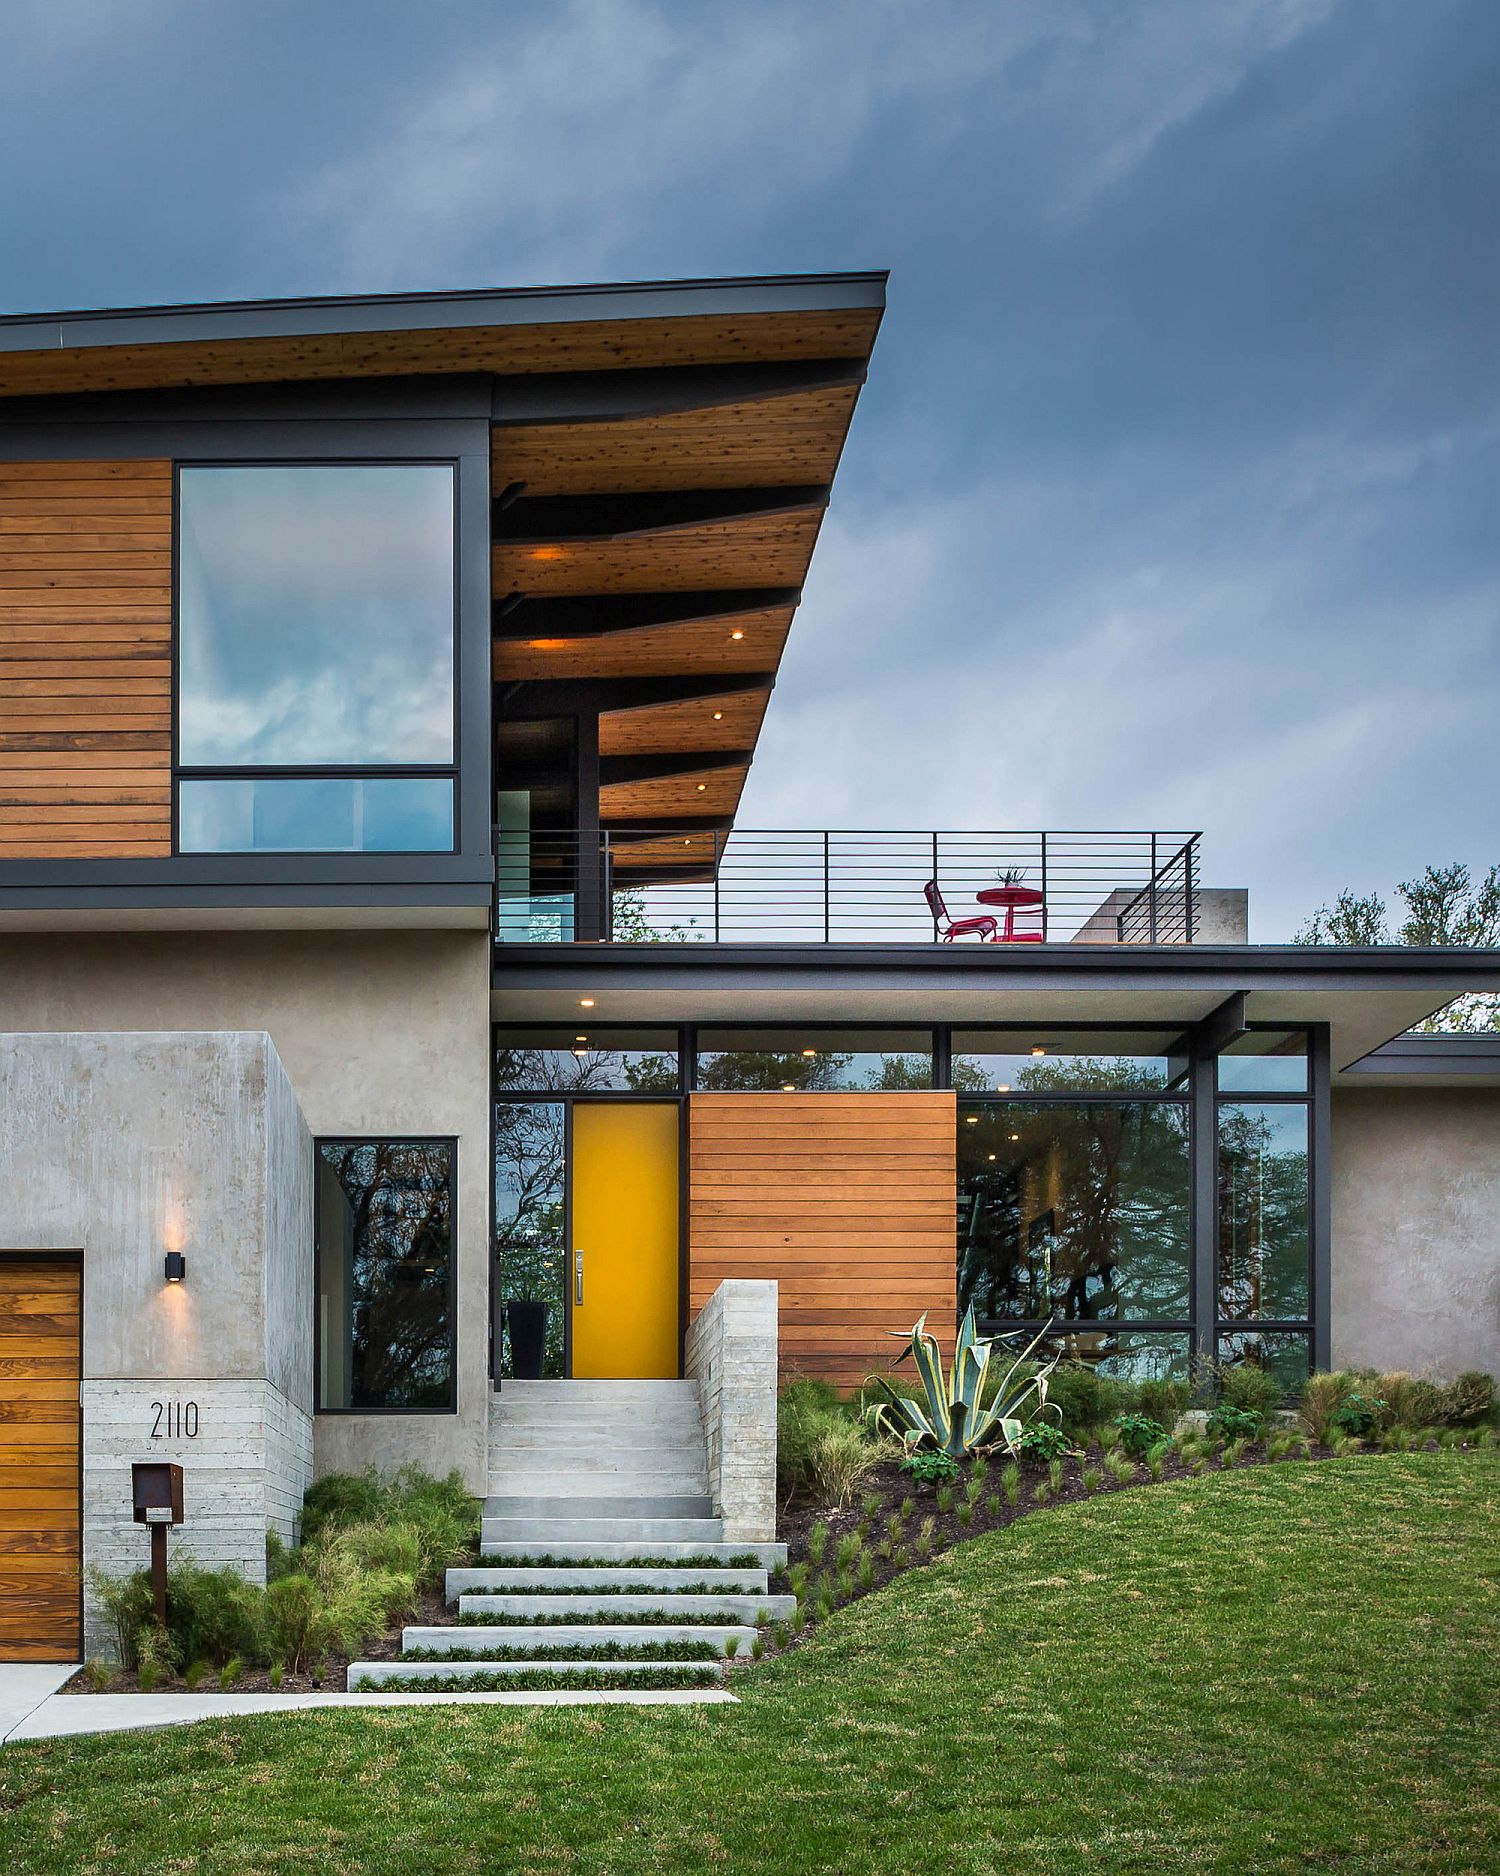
[[521, 1579], [752, 1608], [395, 1673], [457, 1637], [598, 1505], [629, 1530], [773, 1556]]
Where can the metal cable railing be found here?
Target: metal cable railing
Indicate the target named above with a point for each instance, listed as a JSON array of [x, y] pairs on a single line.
[[840, 886]]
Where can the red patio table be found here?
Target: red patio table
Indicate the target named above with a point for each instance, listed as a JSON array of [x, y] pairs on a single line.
[[1014, 899]]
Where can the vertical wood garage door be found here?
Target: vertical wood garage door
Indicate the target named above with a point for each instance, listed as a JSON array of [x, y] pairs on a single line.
[[40, 1525]]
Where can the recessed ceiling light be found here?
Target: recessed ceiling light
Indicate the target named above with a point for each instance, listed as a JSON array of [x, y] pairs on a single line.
[[1038, 1050], [1002, 1087], [702, 788], [789, 1087], [736, 633], [809, 1051], [718, 716], [1015, 1136], [585, 1003], [971, 1120], [992, 1156]]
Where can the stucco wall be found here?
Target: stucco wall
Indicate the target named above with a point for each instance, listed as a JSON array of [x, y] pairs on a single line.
[[1416, 1229], [381, 1033]]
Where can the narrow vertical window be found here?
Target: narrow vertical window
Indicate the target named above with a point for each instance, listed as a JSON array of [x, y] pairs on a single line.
[[385, 1276]]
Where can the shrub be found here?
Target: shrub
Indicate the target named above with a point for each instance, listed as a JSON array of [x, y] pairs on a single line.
[[1470, 1400], [1357, 1415], [211, 1614], [288, 1619], [1042, 1442], [1251, 1388], [1322, 1396], [126, 1605], [154, 1662], [930, 1468], [1085, 1399], [1139, 1433], [1238, 1425], [340, 1498], [1165, 1401], [820, 1450]]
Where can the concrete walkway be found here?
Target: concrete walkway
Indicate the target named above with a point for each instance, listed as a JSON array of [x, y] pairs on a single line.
[[55, 1716], [24, 1686]]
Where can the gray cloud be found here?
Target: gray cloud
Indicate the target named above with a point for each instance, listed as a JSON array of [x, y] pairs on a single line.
[[1170, 499]]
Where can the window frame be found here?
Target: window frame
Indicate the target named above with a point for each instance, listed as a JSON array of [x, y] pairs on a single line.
[[215, 772], [449, 1140]]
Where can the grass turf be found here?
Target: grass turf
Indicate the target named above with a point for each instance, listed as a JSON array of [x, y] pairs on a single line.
[[1283, 1669]]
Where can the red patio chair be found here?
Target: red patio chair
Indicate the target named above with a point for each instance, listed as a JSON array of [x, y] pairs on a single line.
[[949, 927]]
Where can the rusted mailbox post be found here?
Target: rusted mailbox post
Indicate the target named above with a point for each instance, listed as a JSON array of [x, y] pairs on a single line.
[[156, 1494]]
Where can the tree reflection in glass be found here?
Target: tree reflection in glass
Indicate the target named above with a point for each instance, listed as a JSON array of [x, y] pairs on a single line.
[[1077, 1210], [1263, 1211], [385, 1258], [531, 1219]]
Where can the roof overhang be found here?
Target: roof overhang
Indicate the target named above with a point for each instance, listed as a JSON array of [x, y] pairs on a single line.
[[1455, 1062], [1366, 996]]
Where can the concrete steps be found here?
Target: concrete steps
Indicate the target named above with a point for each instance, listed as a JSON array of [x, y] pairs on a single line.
[[474, 1638], [524, 1579], [439, 1673], [598, 1513], [582, 1603], [773, 1556]]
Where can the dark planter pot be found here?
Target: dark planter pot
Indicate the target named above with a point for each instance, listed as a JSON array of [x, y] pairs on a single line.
[[527, 1323]]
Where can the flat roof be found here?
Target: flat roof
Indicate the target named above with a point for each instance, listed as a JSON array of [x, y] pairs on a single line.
[[1367, 995]]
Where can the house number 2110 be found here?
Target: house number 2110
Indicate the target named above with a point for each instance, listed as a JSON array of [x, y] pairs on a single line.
[[175, 1420]]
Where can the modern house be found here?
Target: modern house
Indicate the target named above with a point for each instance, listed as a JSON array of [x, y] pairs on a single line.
[[389, 996]]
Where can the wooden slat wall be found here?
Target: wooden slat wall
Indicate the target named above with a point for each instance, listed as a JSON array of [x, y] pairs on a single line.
[[85, 659], [847, 1200], [40, 1513]]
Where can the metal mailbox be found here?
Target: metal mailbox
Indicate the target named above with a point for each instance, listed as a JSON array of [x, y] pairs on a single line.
[[156, 1490]]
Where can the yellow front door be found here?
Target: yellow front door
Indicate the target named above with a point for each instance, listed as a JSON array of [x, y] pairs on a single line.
[[625, 1241]]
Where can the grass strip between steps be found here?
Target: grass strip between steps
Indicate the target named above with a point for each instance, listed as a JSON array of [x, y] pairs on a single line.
[[563, 1651], [621, 1618], [608, 1589], [545, 1680], [508, 1560]]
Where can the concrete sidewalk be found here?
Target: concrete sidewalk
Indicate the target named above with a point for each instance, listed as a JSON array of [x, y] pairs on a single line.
[[35, 1710]]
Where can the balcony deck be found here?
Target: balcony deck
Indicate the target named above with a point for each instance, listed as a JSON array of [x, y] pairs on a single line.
[[694, 885]]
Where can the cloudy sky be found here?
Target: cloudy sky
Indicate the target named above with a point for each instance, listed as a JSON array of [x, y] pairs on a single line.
[[1171, 501]]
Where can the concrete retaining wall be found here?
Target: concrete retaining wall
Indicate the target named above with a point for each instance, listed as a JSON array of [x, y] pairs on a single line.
[[731, 1353]]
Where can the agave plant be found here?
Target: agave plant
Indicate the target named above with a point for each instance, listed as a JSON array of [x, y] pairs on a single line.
[[951, 1419]]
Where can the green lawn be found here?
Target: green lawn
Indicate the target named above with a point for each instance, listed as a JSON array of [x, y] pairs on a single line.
[[1288, 1668]]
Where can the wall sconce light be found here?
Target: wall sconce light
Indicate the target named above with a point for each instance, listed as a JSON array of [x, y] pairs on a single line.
[[176, 1268]]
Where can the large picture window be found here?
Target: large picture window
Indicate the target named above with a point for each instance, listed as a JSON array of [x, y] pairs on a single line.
[[384, 1281], [315, 657]]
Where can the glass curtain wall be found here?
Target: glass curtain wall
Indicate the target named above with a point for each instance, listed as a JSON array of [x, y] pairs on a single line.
[[1074, 1189], [1264, 1296]]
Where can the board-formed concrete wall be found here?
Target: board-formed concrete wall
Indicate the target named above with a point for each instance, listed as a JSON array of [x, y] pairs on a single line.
[[127, 1147], [382, 1034], [1416, 1229]]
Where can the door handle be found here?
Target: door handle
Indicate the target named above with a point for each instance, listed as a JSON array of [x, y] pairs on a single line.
[[578, 1278]]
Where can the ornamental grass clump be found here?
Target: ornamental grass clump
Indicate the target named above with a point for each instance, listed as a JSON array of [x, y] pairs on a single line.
[[970, 1411]]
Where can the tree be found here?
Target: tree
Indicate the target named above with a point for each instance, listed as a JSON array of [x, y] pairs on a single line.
[[1444, 906]]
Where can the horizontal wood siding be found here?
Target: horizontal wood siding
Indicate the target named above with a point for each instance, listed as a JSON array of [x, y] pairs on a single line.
[[40, 1353], [85, 660], [847, 1200]]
